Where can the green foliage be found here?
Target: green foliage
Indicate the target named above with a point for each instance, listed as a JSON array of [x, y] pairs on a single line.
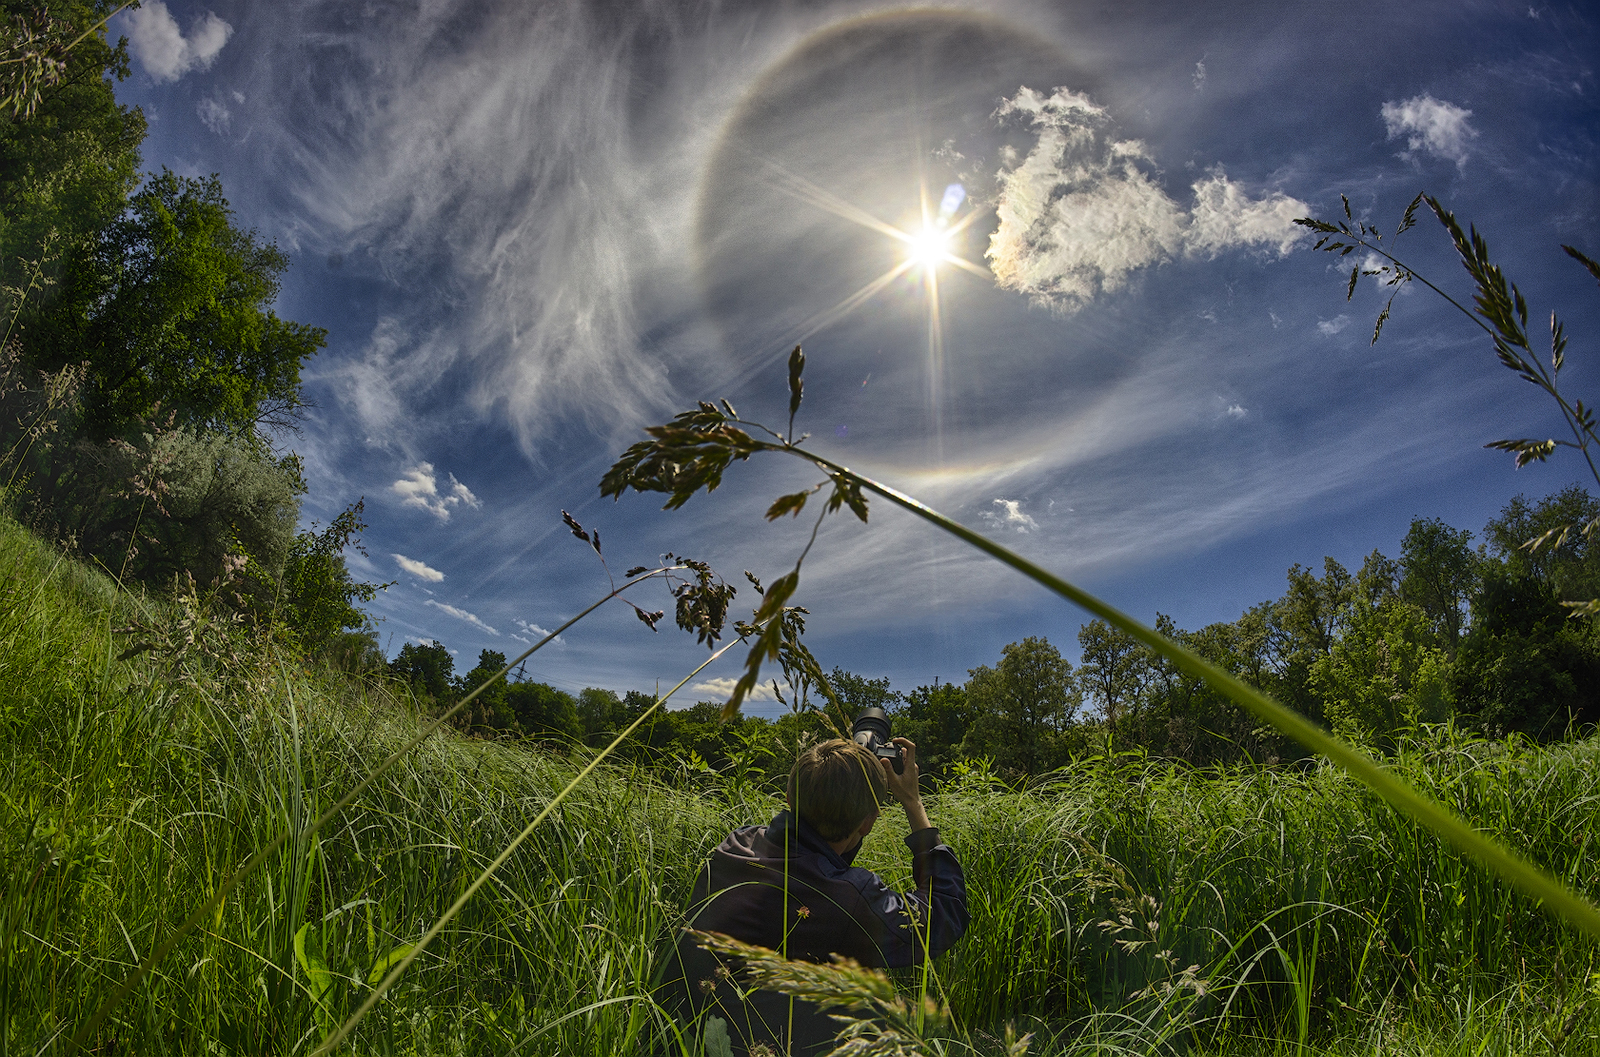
[[319, 596], [172, 313], [1113, 668], [1021, 706], [1383, 677], [66, 169], [426, 667], [543, 711], [1440, 572]]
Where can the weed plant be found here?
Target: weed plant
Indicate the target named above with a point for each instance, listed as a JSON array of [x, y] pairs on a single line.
[[1121, 904]]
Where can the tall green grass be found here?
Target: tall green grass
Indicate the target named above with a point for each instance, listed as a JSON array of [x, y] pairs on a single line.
[[1310, 910]]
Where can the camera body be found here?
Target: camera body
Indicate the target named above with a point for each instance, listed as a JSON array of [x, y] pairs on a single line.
[[871, 732]]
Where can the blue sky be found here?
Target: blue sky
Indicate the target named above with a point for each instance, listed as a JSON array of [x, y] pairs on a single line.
[[532, 229]]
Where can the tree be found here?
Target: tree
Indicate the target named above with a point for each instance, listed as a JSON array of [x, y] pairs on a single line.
[[172, 312], [858, 692], [601, 713], [1439, 575], [541, 709], [66, 169], [936, 718], [1113, 667], [1384, 675], [1021, 705], [1565, 557], [319, 594], [426, 668], [1524, 665], [490, 709]]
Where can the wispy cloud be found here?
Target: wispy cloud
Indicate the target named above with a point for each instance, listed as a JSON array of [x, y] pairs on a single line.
[[1329, 327], [1430, 125], [1010, 516], [1235, 411], [419, 487], [461, 614], [489, 144], [162, 49], [536, 631], [1081, 211], [214, 114], [419, 569]]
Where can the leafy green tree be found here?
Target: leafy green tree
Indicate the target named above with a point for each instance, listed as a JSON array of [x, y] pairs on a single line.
[[1440, 573], [426, 667], [490, 711], [858, 692], [1113, 668], [66, 169], [936, 718], [1385, 674], [1566, 556], [601, 713], [173, 315], [1021, 706], [542, 710], [1525, 665], [319, 600]]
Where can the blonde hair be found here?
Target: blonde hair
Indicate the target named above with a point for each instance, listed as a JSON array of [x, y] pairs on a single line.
[[835, 786]]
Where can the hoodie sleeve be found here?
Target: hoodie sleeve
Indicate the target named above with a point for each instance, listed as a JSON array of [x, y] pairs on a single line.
[[933, 916]]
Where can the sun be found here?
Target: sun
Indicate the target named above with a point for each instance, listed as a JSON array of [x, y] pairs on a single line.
[[929, 247]]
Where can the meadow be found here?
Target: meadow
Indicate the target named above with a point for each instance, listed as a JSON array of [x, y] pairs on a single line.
[[1120, 904]]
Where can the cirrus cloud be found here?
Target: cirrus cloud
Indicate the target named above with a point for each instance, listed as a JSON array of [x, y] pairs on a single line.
[[421, 570], [462, 614]]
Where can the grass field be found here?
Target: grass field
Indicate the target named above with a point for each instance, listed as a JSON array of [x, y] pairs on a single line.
[[1121, 905]]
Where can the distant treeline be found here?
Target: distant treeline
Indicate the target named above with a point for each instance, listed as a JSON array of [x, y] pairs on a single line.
[[1478, 632]]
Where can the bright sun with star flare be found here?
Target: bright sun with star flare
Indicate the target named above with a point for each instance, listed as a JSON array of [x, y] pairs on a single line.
[[929, 247]]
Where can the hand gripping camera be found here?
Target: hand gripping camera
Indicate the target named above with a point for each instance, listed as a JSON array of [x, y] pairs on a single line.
[[871, 732]]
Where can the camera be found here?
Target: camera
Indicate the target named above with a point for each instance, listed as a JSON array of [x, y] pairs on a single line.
[[871, 732]]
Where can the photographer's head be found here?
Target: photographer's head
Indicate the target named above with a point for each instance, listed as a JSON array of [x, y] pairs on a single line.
[[836, 787]]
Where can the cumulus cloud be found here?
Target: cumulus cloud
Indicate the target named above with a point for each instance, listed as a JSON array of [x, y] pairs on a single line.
[[1081, 212], [419, 487], [1430, 125], [1329, 327], [1199, 75], [1235, 411], [162, 49], [1009, 515], [214, 115], [462, 614], [721, 689], [419, 569]]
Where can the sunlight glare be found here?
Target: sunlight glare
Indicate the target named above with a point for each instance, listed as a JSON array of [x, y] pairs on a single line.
[[929, 247]]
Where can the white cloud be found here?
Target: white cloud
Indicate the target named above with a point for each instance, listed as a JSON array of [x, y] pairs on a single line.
[[1081, 211], [162, 49], [1431, 125], [1236, 411], [419, 487], [214, 115], [461, 614], [1199, 75], [722, 688], [535, 630], [419, 569], [1329, 327], [1010, 515]]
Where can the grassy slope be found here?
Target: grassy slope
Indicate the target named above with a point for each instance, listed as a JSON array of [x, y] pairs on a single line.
[[129, 788]]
